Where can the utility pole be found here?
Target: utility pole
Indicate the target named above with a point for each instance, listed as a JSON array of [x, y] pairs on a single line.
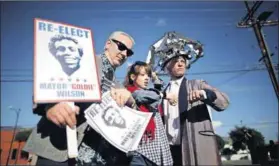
[[257, 23], [12, 141]]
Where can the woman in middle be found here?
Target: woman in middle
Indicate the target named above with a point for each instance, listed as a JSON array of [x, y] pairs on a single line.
[[154, 147]]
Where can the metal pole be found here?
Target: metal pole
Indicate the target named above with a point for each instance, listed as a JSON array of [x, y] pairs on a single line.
[[11, 145], [265, 52], [266, 58], [17, 155]]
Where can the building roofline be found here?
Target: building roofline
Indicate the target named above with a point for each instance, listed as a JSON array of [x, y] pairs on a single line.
[[12, 127]]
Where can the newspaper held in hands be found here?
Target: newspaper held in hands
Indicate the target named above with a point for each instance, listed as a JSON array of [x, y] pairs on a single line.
[[121, 127]]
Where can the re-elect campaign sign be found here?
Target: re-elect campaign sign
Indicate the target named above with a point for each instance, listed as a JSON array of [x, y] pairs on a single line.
[[64, 63]]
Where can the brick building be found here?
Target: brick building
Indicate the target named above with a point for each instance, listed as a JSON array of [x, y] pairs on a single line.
[[17, 156]]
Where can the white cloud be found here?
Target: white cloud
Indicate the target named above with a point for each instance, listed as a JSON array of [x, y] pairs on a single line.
[[216, 124], [161, 22]]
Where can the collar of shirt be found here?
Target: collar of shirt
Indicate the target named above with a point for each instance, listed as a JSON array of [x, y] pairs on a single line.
[[177, 81]]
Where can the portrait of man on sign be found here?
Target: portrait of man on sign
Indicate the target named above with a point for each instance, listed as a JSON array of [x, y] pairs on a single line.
[[112, 117], [67, 51]]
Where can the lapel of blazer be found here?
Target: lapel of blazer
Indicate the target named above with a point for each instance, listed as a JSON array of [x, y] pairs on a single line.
[[165, 106], [166, 87]]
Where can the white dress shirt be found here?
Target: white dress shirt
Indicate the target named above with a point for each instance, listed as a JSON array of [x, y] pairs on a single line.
[[172, 115]]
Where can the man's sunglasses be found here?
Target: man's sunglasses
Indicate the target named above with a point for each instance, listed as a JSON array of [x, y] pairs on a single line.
[[122, 47]]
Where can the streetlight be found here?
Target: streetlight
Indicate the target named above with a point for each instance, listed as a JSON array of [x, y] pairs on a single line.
[[17, 115]]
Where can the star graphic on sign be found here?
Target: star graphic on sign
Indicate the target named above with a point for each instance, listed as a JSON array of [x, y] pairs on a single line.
[[85, 80], [69, 79], [51, 79], [77, 80], [61, 79]]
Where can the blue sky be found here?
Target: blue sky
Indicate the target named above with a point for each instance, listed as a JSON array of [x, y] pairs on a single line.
[[227, 47]]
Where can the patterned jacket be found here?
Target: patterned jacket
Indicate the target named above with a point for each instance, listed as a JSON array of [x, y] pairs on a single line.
[[156, 150]]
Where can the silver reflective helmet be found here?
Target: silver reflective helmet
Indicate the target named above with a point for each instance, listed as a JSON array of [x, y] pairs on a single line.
[[171, 45]]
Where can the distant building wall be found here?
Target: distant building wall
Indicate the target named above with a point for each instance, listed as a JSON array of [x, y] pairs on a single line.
[[17, 156]]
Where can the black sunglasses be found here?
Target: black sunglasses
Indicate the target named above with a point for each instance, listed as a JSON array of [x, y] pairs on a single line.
[[122, 47]]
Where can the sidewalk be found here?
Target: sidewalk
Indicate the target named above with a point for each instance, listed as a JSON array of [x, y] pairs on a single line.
[[248, 162]]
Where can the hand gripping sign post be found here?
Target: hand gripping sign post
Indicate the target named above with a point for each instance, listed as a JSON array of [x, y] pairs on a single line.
[[64, 68]]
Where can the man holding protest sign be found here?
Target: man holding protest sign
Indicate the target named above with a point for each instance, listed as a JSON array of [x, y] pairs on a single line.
[[48, 139]]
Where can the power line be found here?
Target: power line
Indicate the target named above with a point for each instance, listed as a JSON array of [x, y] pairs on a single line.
[[226, 71], [221, 72], [22, 80], [256, 65], [250, 124], [16, 69], [176, 10], [17, 75], [198, 73], [232, 78], [257, 23]]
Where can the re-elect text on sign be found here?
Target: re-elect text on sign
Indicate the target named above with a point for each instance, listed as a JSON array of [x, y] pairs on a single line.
[[62, 29]]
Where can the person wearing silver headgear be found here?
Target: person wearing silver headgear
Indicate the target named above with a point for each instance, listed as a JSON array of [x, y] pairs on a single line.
[[188, 119]]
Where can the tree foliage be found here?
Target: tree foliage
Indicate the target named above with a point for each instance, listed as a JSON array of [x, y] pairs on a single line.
[[220, 142], [244, 136], [228, 151]]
